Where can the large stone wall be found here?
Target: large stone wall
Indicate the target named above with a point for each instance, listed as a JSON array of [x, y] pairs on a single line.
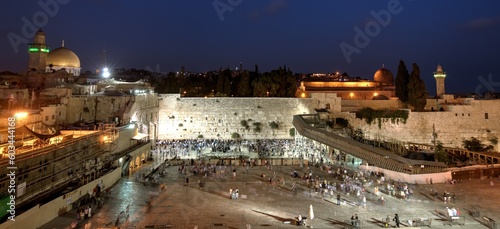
[[220, 117], [458, 123]]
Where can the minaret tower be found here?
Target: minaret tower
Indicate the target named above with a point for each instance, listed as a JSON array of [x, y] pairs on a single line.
[[439, 75], [38, 52]]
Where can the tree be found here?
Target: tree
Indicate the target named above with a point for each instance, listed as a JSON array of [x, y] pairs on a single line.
[[402, 80], [417, 93], [277, 83], [440, 153], [243, 85], [473, 144], [219, 87]]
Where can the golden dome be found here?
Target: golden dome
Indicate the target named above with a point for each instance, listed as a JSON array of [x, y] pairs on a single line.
[[383, 75], [63, 57]]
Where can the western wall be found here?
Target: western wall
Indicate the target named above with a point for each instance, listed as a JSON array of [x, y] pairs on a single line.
[[220, 117]]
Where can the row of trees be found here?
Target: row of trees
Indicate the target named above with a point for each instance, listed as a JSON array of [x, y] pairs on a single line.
[[280, 82], [410, 88]]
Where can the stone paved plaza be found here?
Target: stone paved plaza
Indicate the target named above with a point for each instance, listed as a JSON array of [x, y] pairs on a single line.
[[263, 206]]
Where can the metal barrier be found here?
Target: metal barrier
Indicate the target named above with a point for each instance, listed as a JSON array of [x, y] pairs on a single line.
[[218, 225], [490, 222], [423, 222], [456, 220], [160, 226], [352, 224]]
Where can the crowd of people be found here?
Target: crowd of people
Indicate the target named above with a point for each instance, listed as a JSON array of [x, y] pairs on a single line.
[[263, 148]]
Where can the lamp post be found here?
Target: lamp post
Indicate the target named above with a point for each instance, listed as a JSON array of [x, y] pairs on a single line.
[[105, 72], [434, 142]]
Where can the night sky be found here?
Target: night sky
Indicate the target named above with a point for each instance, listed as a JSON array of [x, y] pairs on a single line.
[[306, 36]]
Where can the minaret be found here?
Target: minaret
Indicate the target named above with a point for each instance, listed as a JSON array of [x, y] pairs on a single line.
[[439, 75], [38, 52]]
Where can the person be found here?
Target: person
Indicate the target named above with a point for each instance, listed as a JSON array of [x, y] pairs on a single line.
[[236, 193], [299, 220], [338, 199], [387, 220], [230, 193], [187, 181], [86, 213], [396, 219]]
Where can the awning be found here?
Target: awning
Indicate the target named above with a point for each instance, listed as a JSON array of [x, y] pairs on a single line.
[[139, 136]]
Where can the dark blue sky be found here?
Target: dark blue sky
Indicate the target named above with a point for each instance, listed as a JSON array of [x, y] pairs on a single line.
[[463, 36]]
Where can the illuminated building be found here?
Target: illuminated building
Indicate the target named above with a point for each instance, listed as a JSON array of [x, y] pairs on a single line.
[[380, 88], [439, 75], [38, 51], [44, 60]]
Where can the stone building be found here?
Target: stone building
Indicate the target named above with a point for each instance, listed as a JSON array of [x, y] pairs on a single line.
[[440, 75], [380, 88], [68, 135]]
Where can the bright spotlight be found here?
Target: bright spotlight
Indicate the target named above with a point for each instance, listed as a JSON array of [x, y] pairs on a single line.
[[21, 114], [105, 73]]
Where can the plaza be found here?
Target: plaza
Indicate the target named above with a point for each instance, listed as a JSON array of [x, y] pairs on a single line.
[[273, 204]]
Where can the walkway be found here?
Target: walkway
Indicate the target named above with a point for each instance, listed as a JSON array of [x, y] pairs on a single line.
[[373, 156]]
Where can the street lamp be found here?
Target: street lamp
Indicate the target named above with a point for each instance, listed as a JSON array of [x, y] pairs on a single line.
[[20, 115], [105, 73]]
